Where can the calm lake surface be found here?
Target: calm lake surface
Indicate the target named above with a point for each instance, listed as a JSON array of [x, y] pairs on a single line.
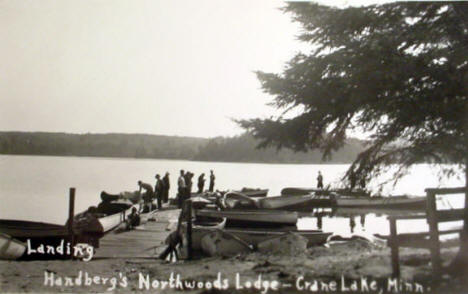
[[36, 187]]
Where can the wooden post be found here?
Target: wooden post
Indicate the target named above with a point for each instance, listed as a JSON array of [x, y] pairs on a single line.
[[189, 228], [71, 215], [394, 248], [434, 234]]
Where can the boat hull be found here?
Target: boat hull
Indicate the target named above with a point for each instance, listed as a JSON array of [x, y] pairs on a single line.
[[37, 234], [252, 218], [295, 202], [220, 243], [199, 230], [10, 248], [304, 191], [399, 202], [254, 237], [107, 217]]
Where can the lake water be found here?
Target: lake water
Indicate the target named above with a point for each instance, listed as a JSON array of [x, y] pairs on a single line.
[[36, 187]]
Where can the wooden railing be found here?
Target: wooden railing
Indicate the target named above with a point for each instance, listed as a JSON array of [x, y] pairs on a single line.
[[421, 240]]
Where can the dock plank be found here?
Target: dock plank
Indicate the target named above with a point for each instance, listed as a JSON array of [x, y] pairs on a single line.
[[146, 241]]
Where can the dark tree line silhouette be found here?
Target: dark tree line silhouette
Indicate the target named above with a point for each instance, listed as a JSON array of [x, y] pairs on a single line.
[[230, 149]]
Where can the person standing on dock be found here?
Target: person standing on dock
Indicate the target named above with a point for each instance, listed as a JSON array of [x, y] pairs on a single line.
[[166, 186], [212, 180], [181, 189], [158, 190], [188, 183], [320, 180], [201, 183], [148, 195]]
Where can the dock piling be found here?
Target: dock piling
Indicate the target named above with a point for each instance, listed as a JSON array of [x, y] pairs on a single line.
[[71, 214], [188, 207]]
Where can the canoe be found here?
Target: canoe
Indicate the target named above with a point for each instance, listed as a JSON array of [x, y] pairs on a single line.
[[255, 236], [200, 229], [252, 218], [393, 202], [10, 248]]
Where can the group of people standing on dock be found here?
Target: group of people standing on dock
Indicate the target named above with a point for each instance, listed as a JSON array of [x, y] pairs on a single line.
[[185, 183], [160, 193]]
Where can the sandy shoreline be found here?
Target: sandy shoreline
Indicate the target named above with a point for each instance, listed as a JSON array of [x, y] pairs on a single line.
[[353, 267], [352, 261]]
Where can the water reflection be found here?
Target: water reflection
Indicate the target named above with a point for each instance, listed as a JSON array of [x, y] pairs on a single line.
[[363, 221], [349, 221], [352, 224]]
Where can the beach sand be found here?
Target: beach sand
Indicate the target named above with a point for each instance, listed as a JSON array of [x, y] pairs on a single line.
[[324, 266]]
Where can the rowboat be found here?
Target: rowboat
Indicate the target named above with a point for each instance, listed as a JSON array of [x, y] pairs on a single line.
[[106, 217], [36, 234], [251, 192], [346, 198], [392, 202], [222, 243], [115, 214], [27, 229], [200, 229], [235, 200], [11, 248], [255, 236], [252, 218], [298, 202]]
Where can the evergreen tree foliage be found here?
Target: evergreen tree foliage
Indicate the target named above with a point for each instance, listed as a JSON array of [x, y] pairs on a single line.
[[396, 71]]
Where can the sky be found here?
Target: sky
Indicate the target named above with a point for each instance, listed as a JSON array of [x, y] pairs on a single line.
[[183, 68]]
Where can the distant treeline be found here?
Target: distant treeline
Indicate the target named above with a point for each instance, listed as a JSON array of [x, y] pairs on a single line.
[[242, 149], [101, 145], [232, 149]]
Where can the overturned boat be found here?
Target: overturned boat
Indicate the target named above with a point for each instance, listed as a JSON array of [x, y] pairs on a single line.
[[11, 248]]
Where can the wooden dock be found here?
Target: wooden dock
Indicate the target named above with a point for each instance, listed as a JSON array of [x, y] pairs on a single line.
[[136, 243]]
